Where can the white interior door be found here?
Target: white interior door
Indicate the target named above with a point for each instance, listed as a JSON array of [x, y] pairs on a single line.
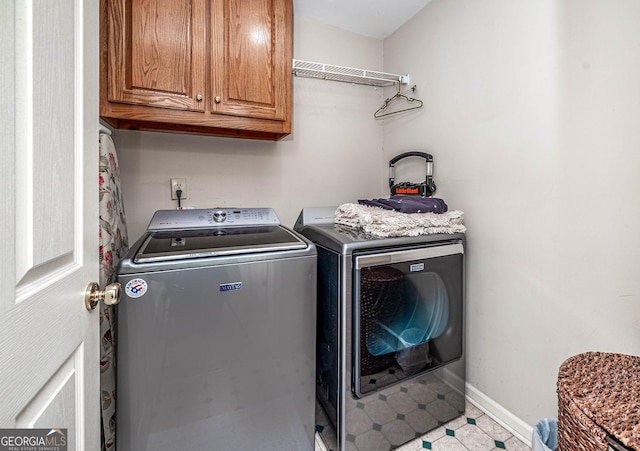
[[49, 362]]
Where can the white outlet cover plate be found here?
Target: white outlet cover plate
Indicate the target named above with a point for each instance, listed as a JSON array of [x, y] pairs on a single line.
[[175, 184]]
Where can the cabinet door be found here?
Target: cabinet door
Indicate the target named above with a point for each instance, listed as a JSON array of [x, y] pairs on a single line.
[[251, 58], [156, 53]]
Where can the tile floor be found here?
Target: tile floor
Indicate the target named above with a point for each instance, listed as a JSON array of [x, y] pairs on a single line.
[[474, 431], [401, 409]]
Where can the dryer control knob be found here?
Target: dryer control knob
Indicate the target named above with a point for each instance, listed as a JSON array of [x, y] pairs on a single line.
[[219, 216]]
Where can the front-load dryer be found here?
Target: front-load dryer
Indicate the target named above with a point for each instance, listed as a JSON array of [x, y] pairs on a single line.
[[390, 333]]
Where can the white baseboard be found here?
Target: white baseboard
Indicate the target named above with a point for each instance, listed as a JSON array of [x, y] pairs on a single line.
[[502, 416]]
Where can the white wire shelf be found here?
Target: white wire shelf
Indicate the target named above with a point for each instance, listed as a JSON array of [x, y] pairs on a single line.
[[347, 74]]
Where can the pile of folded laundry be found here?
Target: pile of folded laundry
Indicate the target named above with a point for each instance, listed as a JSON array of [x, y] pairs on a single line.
[[401, 216]]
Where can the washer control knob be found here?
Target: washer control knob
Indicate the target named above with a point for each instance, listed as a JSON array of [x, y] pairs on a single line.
[[219, 216]]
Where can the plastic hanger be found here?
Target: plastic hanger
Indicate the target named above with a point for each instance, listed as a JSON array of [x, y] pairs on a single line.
[[399, 96]]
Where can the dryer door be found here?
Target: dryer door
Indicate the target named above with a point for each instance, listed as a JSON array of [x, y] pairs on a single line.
[[408, 314]]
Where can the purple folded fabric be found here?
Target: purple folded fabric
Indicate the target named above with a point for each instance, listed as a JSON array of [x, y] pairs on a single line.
[[408, 204]]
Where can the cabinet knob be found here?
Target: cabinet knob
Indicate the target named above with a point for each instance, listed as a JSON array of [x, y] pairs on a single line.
[[218, 99], [199, 97]]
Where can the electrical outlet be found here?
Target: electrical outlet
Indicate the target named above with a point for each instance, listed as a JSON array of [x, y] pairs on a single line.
[[177, 184]]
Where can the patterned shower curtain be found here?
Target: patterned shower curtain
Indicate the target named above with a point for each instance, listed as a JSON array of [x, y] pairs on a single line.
[[113, 245]]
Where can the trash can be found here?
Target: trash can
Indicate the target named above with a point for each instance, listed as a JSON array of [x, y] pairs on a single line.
[[545, 435]]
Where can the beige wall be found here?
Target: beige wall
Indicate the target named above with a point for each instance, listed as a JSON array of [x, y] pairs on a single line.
[[531, 113], [332, 156]]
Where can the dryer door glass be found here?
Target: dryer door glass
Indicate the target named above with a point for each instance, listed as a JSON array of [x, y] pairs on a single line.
[[408, 314]]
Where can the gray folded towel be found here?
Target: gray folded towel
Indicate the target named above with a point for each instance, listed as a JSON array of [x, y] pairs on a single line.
[[390, 223]]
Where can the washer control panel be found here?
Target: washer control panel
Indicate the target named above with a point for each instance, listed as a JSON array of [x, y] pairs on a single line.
[[213, 217]]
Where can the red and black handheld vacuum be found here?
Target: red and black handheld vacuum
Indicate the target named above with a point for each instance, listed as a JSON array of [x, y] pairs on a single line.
[[424, 189]]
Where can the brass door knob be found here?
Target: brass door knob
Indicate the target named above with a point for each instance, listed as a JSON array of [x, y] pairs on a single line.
[[110, 295]]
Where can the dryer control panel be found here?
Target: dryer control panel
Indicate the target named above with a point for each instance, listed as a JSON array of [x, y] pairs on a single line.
[[212, 217]]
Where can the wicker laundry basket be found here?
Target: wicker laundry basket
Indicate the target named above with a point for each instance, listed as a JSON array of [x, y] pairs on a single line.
[[381, 293], [598, 396]]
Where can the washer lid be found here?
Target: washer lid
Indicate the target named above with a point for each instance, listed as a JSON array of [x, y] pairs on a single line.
[[165, 245]]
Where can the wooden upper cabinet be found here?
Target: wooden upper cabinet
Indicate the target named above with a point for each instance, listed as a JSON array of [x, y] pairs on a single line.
[[155, 57], [220, 67], [249, 72]]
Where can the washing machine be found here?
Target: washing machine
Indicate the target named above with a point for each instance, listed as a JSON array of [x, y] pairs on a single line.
[[390, 333], [216, 334]]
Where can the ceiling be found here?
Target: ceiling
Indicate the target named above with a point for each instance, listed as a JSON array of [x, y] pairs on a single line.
[[373, 18]]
